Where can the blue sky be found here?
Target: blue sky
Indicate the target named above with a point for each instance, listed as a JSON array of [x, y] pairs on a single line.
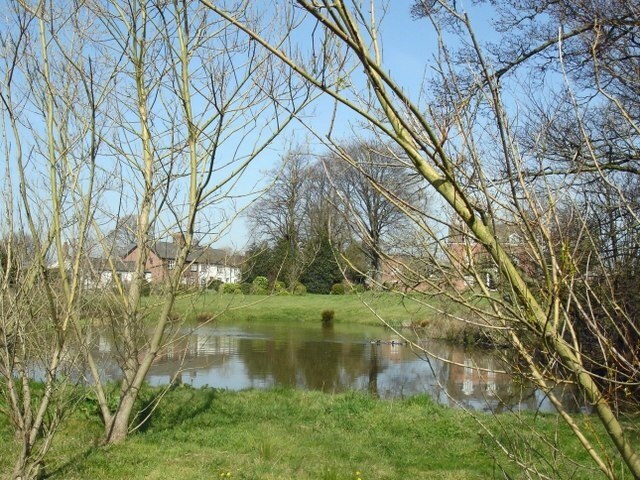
[[409, 48]]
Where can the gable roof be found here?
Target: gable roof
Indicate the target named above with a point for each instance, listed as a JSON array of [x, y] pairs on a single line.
[[197, 254], [104, 264]]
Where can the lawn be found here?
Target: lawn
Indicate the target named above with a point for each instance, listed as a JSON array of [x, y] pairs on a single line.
[[394, 308], [437, 315], [287, 434]]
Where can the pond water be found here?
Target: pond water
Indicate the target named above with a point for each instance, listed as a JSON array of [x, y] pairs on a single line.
[[337, 359]]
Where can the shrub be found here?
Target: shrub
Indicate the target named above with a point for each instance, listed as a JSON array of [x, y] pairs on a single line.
[[231, 288], [279, 288], [357, 288], [260, 286], [145, 288], [300, 289], [203, 317], [337, 289], [328, 316], [245, 288], [214, 284]]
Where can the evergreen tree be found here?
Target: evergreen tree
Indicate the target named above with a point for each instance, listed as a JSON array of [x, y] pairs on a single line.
[[323, 271]]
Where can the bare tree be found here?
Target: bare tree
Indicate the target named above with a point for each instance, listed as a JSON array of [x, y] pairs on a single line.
[[297, 217], [197, 103], [50, 148], [363, 183], [278, 216], [465, 147]]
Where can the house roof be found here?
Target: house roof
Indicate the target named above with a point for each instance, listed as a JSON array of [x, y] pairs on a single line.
[[213, 256], [104, 264], [197, 254]]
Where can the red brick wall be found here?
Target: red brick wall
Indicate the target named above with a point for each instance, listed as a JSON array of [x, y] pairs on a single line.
[[154, 264]]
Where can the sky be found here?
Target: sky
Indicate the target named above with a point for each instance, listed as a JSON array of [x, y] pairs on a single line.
[[409, 47]]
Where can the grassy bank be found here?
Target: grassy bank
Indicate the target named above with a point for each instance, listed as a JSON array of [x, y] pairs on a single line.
[[436, 316], [285, 434], [394, 308], [305, 308]]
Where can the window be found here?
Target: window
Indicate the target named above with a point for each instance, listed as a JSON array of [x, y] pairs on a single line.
[[171, 264], [194, 267]]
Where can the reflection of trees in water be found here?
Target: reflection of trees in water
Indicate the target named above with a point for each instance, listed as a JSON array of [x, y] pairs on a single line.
[[269, 359], [318, 365], [396, 372], [330, 366], [374, 371], [332, 363]]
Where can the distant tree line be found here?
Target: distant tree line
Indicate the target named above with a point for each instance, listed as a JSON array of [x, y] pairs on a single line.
[[324, 220]]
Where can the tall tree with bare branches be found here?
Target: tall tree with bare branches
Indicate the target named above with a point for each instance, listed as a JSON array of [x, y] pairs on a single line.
[[152, 109], [500, 209]]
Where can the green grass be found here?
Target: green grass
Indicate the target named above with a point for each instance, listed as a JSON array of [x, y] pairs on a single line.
[[308, 308], [366, 309], [286, 434]]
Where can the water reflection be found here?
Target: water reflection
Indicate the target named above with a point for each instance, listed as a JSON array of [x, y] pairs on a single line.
[[334, 360]]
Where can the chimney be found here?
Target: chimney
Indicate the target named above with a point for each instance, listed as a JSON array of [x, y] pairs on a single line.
[[178, 239]]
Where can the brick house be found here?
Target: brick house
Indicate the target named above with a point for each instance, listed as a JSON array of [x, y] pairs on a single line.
[[405, 272], [203, 264], [469, 256]]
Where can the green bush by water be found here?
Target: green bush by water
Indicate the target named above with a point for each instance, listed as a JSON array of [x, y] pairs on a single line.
[[260, 286], [327, 317]]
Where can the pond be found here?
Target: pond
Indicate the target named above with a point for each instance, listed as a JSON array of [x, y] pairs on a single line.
[[337, 359]]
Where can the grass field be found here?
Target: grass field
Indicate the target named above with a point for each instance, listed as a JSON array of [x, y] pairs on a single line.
[[437, 316], [286, 434], [304, 308], [395, 309]]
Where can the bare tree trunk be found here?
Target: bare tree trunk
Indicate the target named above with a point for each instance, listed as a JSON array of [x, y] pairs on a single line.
[[538, 315], [209, 100]]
